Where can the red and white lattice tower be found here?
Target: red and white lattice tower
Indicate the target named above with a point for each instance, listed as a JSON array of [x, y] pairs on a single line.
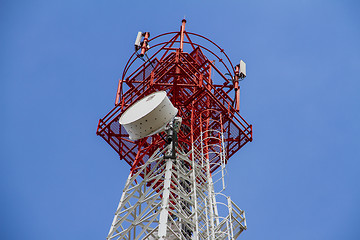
[[176, 181]]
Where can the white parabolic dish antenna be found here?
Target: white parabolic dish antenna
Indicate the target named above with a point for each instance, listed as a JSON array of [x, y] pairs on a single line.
[[148, 116]]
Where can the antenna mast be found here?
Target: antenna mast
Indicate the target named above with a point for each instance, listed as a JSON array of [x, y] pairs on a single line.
[[176, 125]]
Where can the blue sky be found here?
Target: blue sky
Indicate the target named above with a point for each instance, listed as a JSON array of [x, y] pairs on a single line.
[[59, 66]]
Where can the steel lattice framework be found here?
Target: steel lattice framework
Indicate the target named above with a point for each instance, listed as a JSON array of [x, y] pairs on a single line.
[[177, 198]]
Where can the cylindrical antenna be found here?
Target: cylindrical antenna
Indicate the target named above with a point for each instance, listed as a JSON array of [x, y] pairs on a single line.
[[182, 34]]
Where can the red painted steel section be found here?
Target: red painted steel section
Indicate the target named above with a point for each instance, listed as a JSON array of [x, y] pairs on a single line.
[[118, 92], [188, 78], [144, 46], [237, 88]]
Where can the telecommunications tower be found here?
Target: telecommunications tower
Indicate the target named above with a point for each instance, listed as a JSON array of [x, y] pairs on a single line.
[[176, 122]]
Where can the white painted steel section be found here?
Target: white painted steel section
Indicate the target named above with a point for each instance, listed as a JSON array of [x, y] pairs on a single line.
[[210, 201], [179, 198], [194, 195], [165, 201]]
